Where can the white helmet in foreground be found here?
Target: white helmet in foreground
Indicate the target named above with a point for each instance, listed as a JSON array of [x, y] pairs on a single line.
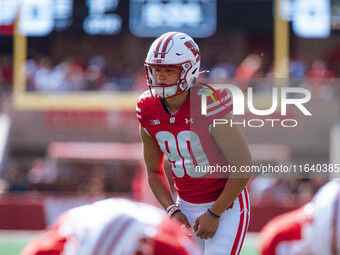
[[173, 50]]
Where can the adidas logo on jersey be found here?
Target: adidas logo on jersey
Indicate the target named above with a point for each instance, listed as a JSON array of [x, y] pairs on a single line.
[[155, 122]]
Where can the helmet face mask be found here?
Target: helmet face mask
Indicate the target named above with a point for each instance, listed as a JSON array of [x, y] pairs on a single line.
[[172, 50], [167, 90]]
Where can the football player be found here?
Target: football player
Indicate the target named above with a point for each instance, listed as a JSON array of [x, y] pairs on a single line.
[[310, 230], [214, 207], [114, 227]]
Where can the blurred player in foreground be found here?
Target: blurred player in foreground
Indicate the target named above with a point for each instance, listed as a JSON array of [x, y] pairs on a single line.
[[214, 206], [313, 229], [114, 227]]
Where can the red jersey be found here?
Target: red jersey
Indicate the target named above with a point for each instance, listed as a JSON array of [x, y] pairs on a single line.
[[287, 234], [312, 229], [185, 139]]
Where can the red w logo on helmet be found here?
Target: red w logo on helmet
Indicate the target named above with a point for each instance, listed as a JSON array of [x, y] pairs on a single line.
[[191, 46]]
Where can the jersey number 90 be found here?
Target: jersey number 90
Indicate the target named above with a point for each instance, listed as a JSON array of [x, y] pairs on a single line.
[[177, 149]]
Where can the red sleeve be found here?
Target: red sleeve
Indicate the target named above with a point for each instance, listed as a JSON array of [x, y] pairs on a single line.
[[52, 242], [286, 227], [141, 108]]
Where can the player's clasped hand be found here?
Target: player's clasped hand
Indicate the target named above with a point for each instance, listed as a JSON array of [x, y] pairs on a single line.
[[183, 220], [205, 226]]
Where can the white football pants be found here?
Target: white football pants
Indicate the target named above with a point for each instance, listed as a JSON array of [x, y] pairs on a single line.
[[232, 227]]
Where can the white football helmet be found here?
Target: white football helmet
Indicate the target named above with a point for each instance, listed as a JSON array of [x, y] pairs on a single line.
[[173, 50]]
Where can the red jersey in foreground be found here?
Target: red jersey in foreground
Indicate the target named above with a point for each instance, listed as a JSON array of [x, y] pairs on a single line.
[[185, 139]]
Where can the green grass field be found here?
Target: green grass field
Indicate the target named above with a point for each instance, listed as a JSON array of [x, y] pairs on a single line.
[[12, 242], [250, 244]]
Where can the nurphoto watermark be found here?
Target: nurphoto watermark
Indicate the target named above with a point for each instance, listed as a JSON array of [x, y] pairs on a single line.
[[281, 95]]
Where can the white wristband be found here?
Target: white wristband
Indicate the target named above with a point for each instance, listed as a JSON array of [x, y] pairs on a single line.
[[173, 210], [169, 207]]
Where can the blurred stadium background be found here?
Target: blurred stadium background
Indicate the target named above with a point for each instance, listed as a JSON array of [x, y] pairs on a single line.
[[71, 72]]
